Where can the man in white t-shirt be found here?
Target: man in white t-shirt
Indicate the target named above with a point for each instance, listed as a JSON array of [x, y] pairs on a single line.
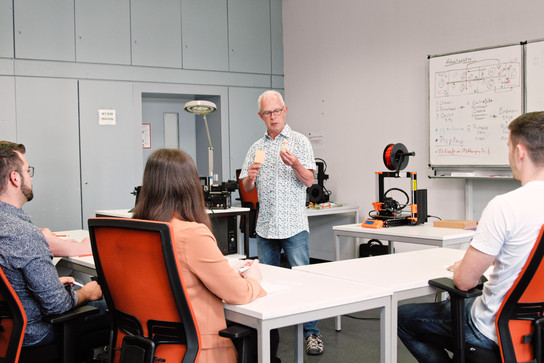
[[506, 233]]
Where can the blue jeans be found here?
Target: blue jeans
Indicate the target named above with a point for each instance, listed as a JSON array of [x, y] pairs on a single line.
[[298, 254], [417, 320]]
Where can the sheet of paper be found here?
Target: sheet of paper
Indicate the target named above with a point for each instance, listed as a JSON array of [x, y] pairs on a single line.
[[277, 286]]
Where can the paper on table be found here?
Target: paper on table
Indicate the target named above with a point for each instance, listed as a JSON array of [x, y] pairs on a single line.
[[278, 286]]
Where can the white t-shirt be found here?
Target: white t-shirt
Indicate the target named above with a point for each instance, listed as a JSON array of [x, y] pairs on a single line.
[[508, 230]]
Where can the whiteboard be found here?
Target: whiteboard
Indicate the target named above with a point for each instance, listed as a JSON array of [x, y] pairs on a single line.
[[473, 96], [534, 75]]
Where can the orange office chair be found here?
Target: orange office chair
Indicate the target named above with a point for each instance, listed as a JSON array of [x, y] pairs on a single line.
[[138, 271], [519, 320], [12, 322], [249, 200], [13, 325]]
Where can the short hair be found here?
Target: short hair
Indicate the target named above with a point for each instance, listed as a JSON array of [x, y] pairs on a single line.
[[528, 129], [171, 188], [270, 94], [9, 160]]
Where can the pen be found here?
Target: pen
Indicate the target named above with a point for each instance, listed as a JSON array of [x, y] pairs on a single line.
[[243, 269], [77, 284]]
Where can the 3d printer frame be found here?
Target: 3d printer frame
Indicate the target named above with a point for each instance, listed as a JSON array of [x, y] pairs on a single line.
[[388, 210], [385, 207]]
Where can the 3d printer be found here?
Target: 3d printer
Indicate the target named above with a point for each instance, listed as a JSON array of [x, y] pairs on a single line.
[[217, 196], [317, 193], [387, 211]]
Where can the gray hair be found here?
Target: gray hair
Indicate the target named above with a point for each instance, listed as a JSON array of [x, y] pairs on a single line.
[[270, 94]]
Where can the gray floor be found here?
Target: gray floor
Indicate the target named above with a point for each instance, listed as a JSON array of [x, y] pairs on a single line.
[[358, 341]]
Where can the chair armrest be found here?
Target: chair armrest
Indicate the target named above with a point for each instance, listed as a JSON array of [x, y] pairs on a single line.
[[75, 313], [235, 331], [447, 284]]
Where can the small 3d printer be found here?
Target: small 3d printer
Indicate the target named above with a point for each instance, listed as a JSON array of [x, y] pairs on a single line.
[[387, 211]]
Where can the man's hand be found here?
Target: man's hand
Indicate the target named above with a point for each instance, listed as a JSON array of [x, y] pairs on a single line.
[[254, 170], [89, 292], [288, 157]]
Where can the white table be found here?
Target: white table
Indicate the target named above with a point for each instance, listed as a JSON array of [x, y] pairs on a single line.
[[301, 301], [292, 300], [423, 234], [232, 211], [321, 222], [407, 274], [85, 263]]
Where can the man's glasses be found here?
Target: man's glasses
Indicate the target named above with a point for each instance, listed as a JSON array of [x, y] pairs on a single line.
[[276, 112], [30, 171]]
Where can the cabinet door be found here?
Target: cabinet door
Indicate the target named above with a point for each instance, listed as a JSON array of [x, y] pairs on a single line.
[[111, 155], [246, 126], [156, 33], [44, 29], [103, 31], [47, 123], [8, 126], [277, 36], [204, 29], [6, 29], [249, 36]]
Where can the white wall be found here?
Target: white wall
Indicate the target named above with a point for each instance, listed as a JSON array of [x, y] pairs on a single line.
[[357, 72]]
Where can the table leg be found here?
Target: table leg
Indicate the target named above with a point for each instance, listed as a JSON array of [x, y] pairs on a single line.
[[388, 339], [246, 236], [338, 323], [263, 345], [299, 343], [336, 246]]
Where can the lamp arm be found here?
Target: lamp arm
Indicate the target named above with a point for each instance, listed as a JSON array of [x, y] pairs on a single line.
[[208, 132]]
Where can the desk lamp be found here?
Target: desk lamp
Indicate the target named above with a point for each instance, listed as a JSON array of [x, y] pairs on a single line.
[[203, 108]]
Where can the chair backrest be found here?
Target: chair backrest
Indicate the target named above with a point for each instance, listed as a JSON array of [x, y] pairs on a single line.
[[248, 199], [138, 271], [522, 305], [12, 322]]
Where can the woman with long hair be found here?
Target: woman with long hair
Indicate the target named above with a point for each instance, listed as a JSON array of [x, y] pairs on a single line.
[[171, 192]]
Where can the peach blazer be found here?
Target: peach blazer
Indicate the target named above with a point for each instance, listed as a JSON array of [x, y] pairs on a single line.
[[210, 279]]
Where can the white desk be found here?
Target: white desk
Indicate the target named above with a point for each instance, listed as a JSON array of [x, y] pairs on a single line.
[[424, 234], [321, 222], [297, 303], [85, 263], [302, 302], [233, 211], [407, 274]]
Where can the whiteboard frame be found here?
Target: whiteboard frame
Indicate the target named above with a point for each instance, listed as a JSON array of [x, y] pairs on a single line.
[[481, 170], [528, 68]]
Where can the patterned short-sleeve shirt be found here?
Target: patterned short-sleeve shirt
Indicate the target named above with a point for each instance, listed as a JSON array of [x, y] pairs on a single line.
[[26, 261], [282, 196]]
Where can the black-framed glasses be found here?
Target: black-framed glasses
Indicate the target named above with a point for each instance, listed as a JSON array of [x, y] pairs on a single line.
[[276, 112], [30, 171]]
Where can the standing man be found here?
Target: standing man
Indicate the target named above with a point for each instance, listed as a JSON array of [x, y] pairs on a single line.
[[281, 178], [505, 236], [25, 256]]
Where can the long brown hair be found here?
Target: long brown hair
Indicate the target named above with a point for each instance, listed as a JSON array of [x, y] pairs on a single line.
[[171, 188]]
